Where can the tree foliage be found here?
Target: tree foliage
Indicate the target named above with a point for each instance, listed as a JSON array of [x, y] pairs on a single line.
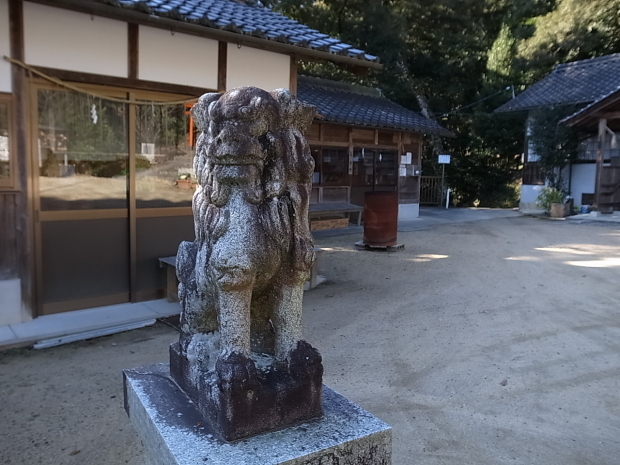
[[440, 56], [555, 144]]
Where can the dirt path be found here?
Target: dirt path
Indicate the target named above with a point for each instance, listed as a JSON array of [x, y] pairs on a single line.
[[481, 343]]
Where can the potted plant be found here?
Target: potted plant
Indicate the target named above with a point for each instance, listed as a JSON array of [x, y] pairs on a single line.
[[553, 201]]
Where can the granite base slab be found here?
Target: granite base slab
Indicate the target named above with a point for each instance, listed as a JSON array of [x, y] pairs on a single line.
[[174, 432]]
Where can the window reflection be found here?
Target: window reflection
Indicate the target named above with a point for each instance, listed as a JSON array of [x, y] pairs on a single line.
[[386, 165], [82, 152], [363, 167], [5, 154], [164, 156], [316, 156], [374, 167], [334, 166]]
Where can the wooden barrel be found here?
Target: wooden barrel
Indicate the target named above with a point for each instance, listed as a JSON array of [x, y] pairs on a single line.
[[380, 219]]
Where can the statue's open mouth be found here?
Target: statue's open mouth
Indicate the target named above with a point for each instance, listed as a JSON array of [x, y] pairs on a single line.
[[237, 160]]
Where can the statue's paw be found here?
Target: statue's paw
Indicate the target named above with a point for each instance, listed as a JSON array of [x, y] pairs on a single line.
[[235, 372], [305, 361], [304, 253]]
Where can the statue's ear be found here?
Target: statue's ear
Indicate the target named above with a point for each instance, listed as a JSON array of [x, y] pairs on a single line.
[[294, 112], [200, 110]]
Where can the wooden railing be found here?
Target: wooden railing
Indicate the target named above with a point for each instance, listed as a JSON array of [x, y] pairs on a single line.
[[430, 190]]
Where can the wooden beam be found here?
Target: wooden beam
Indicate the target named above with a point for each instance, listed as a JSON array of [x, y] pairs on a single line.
[[23, 205], [369, 146], [350, 156], [602, 130], [321, 143], [293, 75], [133, 230], [133, 47], [87, 78], [222, 66], [609, 115]]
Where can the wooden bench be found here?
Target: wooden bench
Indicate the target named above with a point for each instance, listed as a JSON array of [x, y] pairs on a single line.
[[172, 283], [329, 203], [335, 208]]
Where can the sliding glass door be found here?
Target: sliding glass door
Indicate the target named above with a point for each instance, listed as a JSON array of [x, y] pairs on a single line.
[[113, 183], [81, 158]]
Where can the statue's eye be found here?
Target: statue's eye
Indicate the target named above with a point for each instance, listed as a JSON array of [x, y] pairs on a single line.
[[244, 112], [258, 128]]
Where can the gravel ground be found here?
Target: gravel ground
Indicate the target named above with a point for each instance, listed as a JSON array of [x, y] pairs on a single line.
[[487, 342]]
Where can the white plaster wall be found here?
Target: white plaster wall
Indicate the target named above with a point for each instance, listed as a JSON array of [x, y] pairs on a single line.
[[177, 59], [408, 211], [63, 39], [529, 194], [10, 302], [582, 181], [5, 47], [249, 66]]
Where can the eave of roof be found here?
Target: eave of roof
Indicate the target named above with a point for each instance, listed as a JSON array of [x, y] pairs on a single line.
[[588, 115], [577, 82], [231, 21], [361, 106]]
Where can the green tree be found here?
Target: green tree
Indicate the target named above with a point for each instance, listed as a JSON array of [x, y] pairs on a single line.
[[574, 30], [555, 144], [440, 56]]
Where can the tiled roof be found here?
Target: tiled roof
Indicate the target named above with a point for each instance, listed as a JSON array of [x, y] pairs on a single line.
[[246, 17], [362, 106], [571, 83], [587, 109]]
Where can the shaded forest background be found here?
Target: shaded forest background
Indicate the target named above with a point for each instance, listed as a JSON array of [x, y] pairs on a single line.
[[458, 60]]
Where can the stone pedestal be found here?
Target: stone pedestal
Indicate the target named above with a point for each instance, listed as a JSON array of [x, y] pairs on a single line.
[[270, 399], [174, 432]]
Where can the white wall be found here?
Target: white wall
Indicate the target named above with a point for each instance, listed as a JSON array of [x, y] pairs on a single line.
[[5, 47], [177, 59], [582, 181], [10, 302], [63, 39], [249, 66], [528, 196], [408, 211]]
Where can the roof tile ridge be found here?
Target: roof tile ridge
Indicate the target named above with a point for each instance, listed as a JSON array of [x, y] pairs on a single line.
[[342, 86], [587, 61]]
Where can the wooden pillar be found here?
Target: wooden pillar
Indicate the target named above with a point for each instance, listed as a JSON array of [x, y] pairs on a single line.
[[133, 229], [293, 75], [23, 207], [222, 66], [602, 129], [133, 47]]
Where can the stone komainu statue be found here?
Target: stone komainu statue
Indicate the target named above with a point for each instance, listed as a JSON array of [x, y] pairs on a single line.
[[240, 355]]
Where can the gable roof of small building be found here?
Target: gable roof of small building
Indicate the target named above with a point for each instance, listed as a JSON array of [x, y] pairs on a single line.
[[340, 102], [577, 82], [604, 107], [247, 20]]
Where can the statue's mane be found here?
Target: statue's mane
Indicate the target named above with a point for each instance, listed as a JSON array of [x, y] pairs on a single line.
[[282, 185]]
